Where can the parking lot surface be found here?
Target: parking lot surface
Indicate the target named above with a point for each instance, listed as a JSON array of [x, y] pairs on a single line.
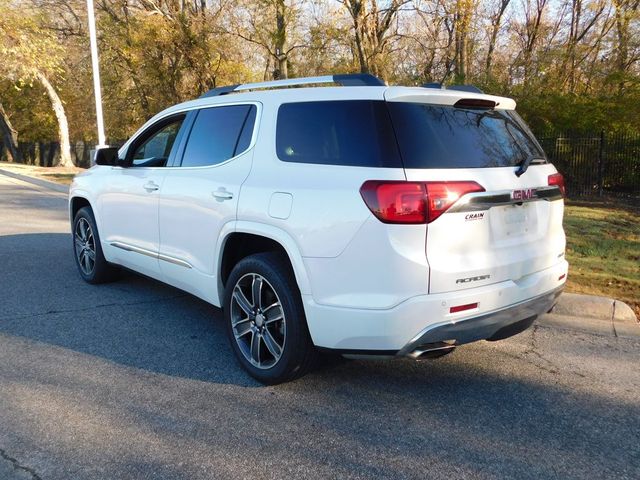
[[135, 380]]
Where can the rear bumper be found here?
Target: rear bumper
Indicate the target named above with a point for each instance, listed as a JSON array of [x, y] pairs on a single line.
[[496, 325], [388, 331]]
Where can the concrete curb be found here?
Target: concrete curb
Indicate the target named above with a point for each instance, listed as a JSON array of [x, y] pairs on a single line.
[[590, 325], [593, 314], [591, 306], [36, 181]]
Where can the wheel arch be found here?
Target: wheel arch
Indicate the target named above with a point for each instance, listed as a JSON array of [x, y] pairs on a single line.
[[248, 238], [76, 202]]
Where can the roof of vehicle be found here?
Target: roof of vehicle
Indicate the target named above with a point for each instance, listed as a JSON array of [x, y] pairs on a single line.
[[355, 87], [389, 93]]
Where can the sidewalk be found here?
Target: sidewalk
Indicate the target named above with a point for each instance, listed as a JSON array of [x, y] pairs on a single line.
[[58, 187]]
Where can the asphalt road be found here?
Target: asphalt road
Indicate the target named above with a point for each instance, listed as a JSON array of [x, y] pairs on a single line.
[[135, 380]]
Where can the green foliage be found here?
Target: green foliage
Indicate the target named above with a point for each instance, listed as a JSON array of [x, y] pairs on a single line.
[[31, 111], [581, 113], [155, 53], [25, 46]]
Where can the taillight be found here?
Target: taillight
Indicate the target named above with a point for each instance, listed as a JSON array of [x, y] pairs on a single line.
[[558, 180], [441, 195], [413, 202], [396, 202]]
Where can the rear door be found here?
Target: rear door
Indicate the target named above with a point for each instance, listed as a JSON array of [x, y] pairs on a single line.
[[200, 195], [509, 229]]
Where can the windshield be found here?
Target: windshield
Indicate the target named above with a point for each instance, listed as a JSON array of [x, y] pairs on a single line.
[[435, 136]]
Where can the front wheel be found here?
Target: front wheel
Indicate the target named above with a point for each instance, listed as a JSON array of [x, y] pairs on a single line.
[[92, 265], [265, 319]]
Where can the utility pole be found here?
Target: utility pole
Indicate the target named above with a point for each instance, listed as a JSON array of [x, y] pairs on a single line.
[[96, 74]]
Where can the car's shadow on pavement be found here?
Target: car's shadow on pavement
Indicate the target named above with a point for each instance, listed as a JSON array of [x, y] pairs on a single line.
[[134, 321], [502, 411]]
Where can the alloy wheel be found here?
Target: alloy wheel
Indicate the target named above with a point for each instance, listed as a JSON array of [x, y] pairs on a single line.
[[85, 246], [258, 321]]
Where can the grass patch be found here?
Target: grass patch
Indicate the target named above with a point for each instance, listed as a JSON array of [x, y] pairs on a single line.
[[603, 250], [63, 175], [65, 178]]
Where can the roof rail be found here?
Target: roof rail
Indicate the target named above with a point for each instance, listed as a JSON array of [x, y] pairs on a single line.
[[345, 80]]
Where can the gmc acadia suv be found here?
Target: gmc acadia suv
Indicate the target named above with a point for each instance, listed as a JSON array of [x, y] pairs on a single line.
[[357, 218]]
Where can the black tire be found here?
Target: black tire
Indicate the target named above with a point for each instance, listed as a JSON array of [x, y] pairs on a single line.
[[96, 270], [297, 354]]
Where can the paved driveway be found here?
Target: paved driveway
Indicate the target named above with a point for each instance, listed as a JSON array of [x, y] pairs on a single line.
[[134, 380]]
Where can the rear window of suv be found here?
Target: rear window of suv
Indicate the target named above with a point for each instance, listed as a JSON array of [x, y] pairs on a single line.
[[350, 133], [434, 136]]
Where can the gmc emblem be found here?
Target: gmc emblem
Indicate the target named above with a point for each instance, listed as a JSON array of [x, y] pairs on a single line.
[[525, 194]]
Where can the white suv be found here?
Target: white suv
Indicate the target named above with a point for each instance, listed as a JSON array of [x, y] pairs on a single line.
[[356, 218]]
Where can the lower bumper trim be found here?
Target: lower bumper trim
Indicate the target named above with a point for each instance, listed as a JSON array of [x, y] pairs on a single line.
[[496, 325]]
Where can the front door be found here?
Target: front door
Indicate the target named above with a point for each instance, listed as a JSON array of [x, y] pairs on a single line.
[[129, 204]]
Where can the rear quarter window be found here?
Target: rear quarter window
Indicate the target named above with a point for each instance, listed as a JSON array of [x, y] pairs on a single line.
[[350, 133], [434, 136]]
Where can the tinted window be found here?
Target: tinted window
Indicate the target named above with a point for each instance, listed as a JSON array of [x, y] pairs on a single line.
[[216, 134], [155, 150], [247, 131], [448, 137], [356, 133]]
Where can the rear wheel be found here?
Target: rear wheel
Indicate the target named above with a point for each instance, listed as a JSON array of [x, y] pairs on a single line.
[[92, 266], [265, 320]]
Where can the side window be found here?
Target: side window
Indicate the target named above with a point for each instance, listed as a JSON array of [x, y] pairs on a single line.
[[154, 151], [218, 134], [356, 133]]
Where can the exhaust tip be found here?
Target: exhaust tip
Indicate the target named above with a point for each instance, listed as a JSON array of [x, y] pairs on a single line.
[[432, 350]]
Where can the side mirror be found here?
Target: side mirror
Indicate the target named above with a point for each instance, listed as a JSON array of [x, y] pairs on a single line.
[[107, 156]]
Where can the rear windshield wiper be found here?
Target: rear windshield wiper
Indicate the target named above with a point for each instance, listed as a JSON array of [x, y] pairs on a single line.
[[528, 161]]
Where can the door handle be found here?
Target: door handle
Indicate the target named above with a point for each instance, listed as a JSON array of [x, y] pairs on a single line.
[[222, 195], [151, 186]]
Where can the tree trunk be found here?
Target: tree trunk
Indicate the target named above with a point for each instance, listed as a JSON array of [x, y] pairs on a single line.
[[61, 116], [280, 37], [463, 15], [496, 22], [357, 11], [9, 136]]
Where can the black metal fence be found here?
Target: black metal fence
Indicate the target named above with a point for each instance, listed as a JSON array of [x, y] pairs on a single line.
[[599, 163], [596, 164]]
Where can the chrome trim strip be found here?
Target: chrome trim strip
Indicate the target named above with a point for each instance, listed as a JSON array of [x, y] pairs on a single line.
[[175, 261], [474, 202], [484, 326], [152, 254], [131, 248]]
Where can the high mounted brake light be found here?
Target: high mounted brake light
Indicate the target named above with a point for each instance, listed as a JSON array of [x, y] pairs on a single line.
[[413, 202], [476, 103]]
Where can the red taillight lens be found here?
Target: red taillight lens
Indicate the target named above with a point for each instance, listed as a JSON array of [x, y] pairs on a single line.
[[396, 202], [442, 195], [413, 202], [558, 180]]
